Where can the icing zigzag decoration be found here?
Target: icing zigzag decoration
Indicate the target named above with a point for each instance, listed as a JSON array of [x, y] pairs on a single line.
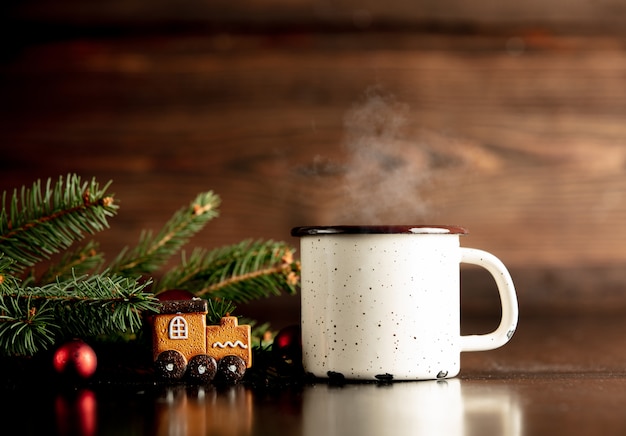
[[230, 344]]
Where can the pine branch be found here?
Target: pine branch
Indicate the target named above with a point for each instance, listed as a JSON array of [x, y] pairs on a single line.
[[33, 319], [240, 273], [78, 262], [111, 304], [25, 328], [8, 282], [38, 222], [154, 251]]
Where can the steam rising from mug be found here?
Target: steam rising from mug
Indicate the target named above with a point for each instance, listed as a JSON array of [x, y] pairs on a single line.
[[384, 173]]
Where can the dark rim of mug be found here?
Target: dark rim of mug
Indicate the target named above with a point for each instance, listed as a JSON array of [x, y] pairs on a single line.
[[419, 229]]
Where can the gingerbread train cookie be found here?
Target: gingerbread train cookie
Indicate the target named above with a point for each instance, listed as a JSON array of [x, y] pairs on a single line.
[[184, 346]]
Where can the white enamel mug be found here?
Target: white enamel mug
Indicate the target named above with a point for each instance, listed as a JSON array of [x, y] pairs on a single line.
[[383, 302]]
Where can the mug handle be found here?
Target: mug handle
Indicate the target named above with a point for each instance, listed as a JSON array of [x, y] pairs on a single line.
[[508, 300]]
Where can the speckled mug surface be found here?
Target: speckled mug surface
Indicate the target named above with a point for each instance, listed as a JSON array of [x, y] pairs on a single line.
[[383, 302]]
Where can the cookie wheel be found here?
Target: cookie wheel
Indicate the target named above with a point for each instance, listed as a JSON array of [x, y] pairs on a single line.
[[231, 369], [170, 365], [202, 368]]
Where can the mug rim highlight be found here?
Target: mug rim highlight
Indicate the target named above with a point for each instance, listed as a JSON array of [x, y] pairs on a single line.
[[378, 229]]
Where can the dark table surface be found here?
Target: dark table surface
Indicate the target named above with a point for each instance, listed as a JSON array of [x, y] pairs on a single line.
[[556, 376]]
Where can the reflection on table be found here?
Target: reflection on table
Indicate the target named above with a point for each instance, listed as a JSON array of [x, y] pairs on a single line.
[[558, 376], [204, 410], [451, 407], [446, 407]]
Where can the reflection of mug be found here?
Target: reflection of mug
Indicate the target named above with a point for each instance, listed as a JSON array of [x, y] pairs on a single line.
[[384, 302], [431, 407]]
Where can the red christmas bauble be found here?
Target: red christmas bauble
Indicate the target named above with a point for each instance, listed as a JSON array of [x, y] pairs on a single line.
[[75, 358], [287, 344]]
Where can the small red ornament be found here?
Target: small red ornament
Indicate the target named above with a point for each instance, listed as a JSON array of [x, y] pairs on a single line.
[[287, 344], [75, 358]]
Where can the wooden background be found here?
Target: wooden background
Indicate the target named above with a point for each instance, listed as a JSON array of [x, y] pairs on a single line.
[[505, 117]]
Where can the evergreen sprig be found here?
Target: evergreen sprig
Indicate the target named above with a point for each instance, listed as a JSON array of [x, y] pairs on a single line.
[[111, 303], [25, 328], [80, 261], [240, 272], [33, 318], [40, 221], [153, 251]]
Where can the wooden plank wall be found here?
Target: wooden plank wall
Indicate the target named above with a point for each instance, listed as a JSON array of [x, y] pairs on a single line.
[[508, 120]]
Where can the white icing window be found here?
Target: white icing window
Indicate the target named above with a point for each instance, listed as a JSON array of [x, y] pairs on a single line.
[[178, 328]]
